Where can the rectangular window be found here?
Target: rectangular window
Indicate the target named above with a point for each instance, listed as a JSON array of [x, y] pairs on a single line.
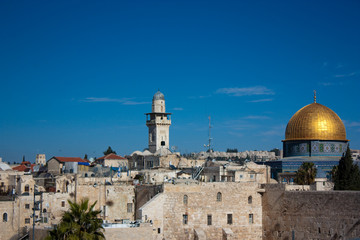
[[229, 219], [214, 178], [27, 220], [252, 176], [129, 207], [241, 176], [209, 219], [251, 218], [62, 203], [27, 206], [185, 219]]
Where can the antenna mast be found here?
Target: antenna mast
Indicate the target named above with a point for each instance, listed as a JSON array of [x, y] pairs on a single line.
[[209, 144]]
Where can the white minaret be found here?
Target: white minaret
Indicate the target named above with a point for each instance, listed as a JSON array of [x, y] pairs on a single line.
[[158, 122]]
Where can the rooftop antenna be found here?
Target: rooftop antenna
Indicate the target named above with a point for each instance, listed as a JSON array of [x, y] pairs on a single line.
[[209, 144], [314, 96]]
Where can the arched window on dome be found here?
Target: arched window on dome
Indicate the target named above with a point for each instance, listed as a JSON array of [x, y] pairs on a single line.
[[218, 197], [250, 200], [5, 217], [185, 200]]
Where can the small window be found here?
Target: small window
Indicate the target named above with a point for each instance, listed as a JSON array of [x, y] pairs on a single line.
[[27, 220], [185, 219], [162, 143], [129, 207], [209, 219], [241, 176], [62, 203], [214, 178], [251, 218], [45, 219], [5, 217], [27, 188], [229, 219], [185, 200], [250, 200], [251, 176], [27, 206], [218, 197], [44, 210], [159, 230]]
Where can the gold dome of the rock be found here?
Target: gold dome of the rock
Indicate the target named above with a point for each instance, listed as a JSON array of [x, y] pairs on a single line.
[[315, 122]]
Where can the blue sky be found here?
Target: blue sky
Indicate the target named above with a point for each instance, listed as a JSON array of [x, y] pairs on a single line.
[[78, 76]]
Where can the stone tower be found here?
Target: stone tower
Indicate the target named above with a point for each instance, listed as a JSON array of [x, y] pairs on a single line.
[[158, 122], [40, 159]]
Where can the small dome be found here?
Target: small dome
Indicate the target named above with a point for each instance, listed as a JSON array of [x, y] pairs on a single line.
[[158, 96], [315, 122]]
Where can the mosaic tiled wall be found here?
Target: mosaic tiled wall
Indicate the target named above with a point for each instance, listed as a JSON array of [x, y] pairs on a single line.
[[314, 148]]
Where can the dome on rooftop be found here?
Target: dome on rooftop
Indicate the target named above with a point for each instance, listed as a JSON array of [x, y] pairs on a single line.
[[315, 122], [158, 96]]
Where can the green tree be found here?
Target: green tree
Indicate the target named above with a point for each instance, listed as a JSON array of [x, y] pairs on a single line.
[[79, 222], [306, 173], [108, 151], [276, 151], [346, 176]]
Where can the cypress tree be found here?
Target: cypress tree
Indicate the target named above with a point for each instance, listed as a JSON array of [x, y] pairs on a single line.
[[346, 176]]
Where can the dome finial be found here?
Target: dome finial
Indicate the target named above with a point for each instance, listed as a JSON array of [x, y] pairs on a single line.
[[314, 96]]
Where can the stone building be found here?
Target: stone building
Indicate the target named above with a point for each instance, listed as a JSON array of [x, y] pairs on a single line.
[[315, 134], [158, 122], [224, 171], [59, 165], [113, 160], [40, 159], [218, 210]]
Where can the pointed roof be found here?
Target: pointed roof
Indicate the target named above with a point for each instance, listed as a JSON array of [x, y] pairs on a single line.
[[112, 156]]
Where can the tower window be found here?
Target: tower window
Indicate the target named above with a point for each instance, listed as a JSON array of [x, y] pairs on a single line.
[[162, 143], [250, 200], [5, 217], [218, 197], [229, 219], [251, 218], [185, 200], [185, 219], [209, 219]]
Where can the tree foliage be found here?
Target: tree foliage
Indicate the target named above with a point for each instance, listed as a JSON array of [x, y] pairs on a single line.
[[306, 173], [276, 151], [232, 150], [346, 176], [79, 222], [108, 151]]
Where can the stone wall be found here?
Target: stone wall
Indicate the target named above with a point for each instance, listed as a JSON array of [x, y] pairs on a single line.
[[310, 214], [117, 201], [167, 210]]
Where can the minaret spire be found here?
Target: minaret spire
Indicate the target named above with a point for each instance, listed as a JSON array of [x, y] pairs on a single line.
[[314, 96]]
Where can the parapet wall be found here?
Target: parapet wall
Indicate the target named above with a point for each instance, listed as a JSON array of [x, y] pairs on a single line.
[[310, 214]]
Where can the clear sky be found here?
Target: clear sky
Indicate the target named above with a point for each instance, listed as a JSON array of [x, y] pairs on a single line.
[[78, 76]]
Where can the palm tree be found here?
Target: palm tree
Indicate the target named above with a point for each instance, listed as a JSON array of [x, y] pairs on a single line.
[[306, 173], [79, 222]]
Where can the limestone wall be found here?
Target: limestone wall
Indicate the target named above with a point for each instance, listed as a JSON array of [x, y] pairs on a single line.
[[202, 201], [310, 214]]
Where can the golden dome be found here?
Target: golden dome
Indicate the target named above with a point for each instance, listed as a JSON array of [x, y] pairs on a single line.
[[315, 122]]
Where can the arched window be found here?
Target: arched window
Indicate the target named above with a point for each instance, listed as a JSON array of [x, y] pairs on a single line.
[[250, 200], [218, 197], [185, 200], [27, 188], [44, 210], [5, 217]]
